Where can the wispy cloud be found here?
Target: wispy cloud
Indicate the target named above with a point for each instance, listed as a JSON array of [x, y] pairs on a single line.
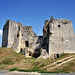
[[1, 32]]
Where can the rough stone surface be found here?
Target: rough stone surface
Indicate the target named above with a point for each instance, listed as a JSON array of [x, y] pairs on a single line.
[[44, 54], [58, 37]]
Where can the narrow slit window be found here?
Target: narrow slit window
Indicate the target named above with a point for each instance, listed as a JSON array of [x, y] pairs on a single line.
[[21, 50], [17, 35], [62, 39], [22, 34]]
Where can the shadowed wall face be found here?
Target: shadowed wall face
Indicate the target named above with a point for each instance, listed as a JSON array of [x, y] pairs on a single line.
[[5, 35]]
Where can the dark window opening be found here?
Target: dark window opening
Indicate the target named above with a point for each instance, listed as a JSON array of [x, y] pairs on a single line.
[[56, 56], [19, 28], [58, 25], [62, 39], [21, 50], [27, 43], [17, 35], [44, 39], [22, 34], [30, 53]]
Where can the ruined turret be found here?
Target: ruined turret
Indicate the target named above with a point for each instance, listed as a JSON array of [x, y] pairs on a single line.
[[61, 38]]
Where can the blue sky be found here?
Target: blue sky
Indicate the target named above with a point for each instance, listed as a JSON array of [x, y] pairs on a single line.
[[35, 12]]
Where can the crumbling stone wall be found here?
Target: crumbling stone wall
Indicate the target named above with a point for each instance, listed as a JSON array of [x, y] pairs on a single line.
[[37, 45], [9, 32], [24, 38], [15, 35], [58, 37], [62, 38]]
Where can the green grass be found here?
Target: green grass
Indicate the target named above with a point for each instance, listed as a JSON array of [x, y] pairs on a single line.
[[36, 70], [12, 61], [31, 70], [22, 70], [36, 63], [9, 57], [31, 58], [42, 65], [13, 69], [66, 54], [8, 61]]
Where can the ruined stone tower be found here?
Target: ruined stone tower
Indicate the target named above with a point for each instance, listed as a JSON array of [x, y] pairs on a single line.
[[58, 37], [16, 35]]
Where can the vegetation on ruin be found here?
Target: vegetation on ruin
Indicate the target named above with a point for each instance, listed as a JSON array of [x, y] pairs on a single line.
[[12, 61], [46, 21], [51, 18], [7, 21]]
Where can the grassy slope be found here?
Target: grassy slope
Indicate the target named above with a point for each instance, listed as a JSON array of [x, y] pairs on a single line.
[[9, 60]]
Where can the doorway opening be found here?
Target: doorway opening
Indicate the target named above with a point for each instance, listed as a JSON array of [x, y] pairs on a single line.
[[27, 43], [21, 50], [56, 56]]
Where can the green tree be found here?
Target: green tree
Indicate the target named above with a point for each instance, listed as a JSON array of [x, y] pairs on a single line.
[[7, 21], [46, 21], [51, 18]]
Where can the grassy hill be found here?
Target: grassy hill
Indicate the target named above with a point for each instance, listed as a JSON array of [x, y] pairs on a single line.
[[10, 60]]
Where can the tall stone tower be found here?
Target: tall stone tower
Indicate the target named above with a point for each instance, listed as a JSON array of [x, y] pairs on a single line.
[[17, 36], [9, 32], [60, 34]]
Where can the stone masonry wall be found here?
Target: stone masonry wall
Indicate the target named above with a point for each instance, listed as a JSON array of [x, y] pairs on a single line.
[[58, 46], [58, 37], [61, 27], [13, 29], [62, 38]]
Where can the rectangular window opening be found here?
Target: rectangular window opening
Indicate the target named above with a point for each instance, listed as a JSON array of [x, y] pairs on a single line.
[[27, 43]]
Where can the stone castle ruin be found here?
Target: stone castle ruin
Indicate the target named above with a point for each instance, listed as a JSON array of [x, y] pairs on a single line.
[[58, 37]]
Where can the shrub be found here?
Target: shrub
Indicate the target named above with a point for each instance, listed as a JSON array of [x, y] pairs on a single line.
[[7, 21], [13, 69], [46, 21], [51, 18]]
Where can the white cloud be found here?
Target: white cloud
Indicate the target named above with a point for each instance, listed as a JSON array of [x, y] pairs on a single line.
[[1, 32]]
